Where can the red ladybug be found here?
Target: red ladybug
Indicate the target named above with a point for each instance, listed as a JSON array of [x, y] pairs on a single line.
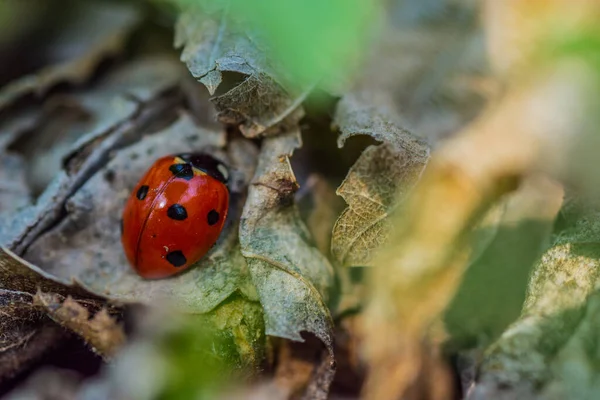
[[175, 214]]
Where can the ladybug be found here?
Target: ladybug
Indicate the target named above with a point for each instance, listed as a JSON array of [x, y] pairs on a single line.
[[175, 214]]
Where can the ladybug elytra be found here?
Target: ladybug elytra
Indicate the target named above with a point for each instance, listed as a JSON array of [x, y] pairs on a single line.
[[175, 214]]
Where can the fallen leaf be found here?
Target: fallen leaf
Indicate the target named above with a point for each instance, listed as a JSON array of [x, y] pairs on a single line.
[[86, 244], [115, 118], [377, 184], [214, 42], [14, 192], [101, 331], [291, 276], [76, 54]]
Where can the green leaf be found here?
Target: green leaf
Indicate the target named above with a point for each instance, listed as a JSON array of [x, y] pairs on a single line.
[[558, 291], [307, 40]]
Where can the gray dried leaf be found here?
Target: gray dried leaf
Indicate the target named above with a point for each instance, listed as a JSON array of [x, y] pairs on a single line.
[[78, 48], [291, 276], [214, 43], [86, 244], [379, 181], [111, 118], [14, 192]]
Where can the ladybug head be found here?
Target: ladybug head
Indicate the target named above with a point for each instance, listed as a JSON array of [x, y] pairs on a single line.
[[207, 164]]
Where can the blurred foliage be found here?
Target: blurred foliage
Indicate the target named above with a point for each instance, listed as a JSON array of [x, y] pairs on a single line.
[[311, 40], [204, 353]]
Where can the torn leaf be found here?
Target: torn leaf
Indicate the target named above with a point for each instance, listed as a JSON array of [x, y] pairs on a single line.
[[291, 276], [214, 42], [377, 184]]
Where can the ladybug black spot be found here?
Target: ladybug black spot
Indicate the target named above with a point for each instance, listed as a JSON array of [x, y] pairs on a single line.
[[142, 192], [212, 217], [177, 212], [184, 171], [176, 258]]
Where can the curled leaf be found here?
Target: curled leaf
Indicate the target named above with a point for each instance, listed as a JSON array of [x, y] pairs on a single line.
[[377, 184], [291, 276], [214, 42]]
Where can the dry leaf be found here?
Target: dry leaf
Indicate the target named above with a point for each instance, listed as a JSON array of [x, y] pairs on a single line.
[[101, 331], [115, 119], [78, 48], [86, 245], [291, 276], [377, 184], [214, 43], [25, 334]]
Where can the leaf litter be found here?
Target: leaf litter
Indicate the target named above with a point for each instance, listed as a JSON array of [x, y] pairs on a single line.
[[25, 332], [115, 119], [270, 256]]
